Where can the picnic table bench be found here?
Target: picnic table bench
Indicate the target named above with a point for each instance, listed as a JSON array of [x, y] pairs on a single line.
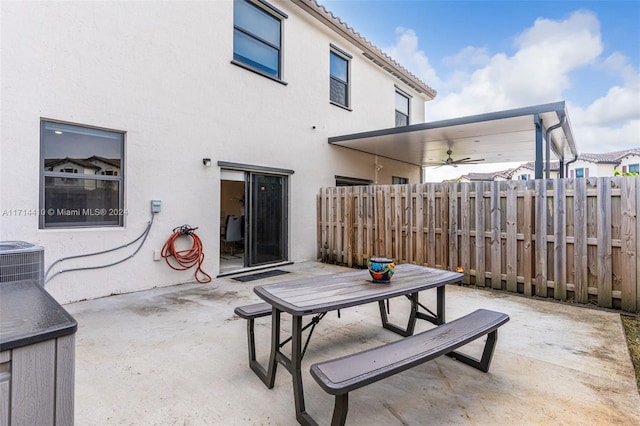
[[316, 296], [341, 375], [250, 313]]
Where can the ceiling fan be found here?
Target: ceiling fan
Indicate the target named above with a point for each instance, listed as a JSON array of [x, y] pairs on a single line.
[[455, 163]]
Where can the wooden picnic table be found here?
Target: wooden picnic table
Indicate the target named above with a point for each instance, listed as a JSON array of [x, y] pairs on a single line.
[[319, 295]]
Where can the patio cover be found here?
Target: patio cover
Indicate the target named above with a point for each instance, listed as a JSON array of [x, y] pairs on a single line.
[[538, 133]]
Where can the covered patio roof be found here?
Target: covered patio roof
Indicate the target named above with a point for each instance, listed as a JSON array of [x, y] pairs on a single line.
[[537, 133]]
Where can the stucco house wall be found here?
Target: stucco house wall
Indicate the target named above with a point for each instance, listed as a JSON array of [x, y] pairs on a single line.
[[594, 169], [162, 73], [628, 160], [530, 172], [606, 164]]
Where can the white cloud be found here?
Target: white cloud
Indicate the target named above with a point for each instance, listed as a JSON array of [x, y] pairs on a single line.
[[540, 71], [469, 56], [537, 73], [406, 52]]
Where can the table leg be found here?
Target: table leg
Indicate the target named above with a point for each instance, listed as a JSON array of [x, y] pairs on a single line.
[[440, 307], [404, 332], [295, 368], [437, 319], [268, 375]]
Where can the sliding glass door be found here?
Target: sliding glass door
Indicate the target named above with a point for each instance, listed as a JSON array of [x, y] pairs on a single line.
[[267, 218]]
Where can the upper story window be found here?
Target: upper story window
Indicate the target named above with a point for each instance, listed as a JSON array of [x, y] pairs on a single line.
[[257, 38], [397, 180], [339, 77], [524, 176], [634, 168], [402, 109], [81, 176]]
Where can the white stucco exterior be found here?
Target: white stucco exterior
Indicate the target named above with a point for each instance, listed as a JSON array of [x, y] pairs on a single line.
[[591, 169], [530, 173], [627, 161], [606, 164], [161, 72]]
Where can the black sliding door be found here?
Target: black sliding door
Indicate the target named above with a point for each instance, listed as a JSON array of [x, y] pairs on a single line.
[[267, 218]]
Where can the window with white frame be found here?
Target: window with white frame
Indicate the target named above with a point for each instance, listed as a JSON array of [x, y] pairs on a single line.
[[81, 176], [634, 168], [580, 172], [339, 78], [257, 38], [402, 109]]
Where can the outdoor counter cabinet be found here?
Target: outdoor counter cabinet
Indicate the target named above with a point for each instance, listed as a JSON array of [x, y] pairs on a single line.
[[315, 296], [37, 357]]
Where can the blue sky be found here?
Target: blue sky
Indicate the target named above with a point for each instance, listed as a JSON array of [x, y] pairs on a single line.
[[483, 56]]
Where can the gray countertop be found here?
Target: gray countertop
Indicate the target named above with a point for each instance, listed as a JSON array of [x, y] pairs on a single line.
[[28, 315]]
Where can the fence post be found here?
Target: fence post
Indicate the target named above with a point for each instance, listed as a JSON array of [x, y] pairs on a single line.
[[370, 215], [359, 204], [319, 239], [496, 237], [629, 243], [480, 235], [420, 224], [528, 249], [409, 211], [444, 228], [559, 240], [603, 202], [454, 260], [348, 228], [339, 222], [465, 230], [512, 236], [431, 225], [541, 237], [379, 233], [580, 265]]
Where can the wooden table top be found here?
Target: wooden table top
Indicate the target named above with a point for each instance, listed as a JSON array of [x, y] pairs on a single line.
[[324, 293]]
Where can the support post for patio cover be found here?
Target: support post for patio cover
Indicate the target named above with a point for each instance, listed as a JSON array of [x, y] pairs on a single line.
[[538, 169]]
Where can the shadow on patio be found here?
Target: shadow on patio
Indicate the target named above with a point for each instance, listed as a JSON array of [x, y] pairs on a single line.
[[178, 355]]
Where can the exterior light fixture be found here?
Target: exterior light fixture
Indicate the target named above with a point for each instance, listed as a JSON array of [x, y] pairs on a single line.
[[206, 162]]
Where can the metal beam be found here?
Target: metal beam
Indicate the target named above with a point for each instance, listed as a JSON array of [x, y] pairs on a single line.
[[539, 160]]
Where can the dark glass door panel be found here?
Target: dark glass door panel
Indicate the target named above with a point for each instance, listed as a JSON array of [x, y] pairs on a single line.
[[267, 219]]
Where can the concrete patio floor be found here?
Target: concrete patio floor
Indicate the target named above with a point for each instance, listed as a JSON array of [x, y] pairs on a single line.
[[178, 355]]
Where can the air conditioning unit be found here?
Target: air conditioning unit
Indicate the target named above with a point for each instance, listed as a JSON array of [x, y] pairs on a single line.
[[21, 261]]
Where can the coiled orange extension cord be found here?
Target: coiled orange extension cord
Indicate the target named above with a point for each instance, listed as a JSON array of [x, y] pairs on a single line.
[[186, 258]]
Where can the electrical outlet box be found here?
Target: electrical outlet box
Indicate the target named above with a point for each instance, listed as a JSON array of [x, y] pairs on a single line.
[[155, 206], [157, 255]]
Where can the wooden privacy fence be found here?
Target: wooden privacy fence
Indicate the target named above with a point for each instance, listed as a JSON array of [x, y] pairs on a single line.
[[568, 239]]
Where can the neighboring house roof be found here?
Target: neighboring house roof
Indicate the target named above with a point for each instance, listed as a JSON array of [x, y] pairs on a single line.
[[115, 162], [555, 166], [370, 51], [608, 157], [485, 176], [86, 162], [53, 162]]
